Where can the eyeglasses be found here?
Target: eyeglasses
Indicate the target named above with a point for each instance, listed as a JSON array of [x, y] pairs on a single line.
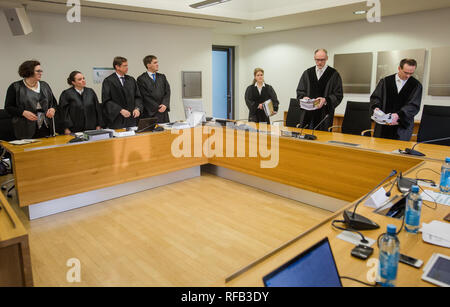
[[320, 60], [39, 71]]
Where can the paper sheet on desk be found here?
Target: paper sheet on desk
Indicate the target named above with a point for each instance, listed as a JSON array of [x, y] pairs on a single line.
[[437, 233], [432, 196]]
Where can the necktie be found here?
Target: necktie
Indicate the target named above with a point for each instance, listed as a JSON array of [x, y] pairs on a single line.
[[319, 73], [154, 77], [122, 79]]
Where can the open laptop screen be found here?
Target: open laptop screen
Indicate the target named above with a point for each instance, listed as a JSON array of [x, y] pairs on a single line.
[[315, 267]]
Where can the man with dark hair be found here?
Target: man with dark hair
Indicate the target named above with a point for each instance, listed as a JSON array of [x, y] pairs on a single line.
[[400, 95], [121, 98], [324, 84], [155, 91]]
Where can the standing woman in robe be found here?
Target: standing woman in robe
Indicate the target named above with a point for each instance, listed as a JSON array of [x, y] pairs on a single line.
[[80, 106], [256, 94], [31, 103]]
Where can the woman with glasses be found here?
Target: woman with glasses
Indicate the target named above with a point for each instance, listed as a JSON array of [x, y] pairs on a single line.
[[31, 103], [79, 105]]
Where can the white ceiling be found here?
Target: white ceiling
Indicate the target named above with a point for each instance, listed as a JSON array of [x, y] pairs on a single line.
[[241, 9], [238, 17]]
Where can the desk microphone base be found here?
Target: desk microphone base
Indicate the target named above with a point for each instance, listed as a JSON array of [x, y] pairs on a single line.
[[358, 222]]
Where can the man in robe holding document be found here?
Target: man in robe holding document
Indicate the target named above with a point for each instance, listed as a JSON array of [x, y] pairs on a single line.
[[323, 84], [399, 96]]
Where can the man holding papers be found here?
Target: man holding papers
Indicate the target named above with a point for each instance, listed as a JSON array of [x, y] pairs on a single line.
[[397, 98], [261, 99], [320, 87]]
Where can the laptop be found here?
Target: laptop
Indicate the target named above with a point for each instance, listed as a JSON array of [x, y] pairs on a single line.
[[315, 267], [147, 124]]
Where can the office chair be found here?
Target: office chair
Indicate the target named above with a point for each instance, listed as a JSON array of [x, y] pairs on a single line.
[[294, 112], [356, 119], [6, 134], [435, 124]]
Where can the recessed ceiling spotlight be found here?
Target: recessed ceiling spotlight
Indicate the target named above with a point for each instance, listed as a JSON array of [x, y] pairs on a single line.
[[259, 28], [359, 12]]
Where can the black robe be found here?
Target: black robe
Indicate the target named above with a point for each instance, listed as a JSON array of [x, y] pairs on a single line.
[[116, 97], [329, 87], [80, 112], [20, 98], [253, 98], [405, 103], [155, 93]]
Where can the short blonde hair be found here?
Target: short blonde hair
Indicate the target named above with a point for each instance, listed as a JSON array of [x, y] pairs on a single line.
[[321, 49]]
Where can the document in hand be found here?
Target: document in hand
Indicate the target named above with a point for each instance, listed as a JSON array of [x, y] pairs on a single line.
[[309, 104], [382, 118], [268, 108]]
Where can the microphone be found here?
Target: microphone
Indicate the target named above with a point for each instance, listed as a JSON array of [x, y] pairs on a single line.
[[312, 137], [411, 151], [359, 222], [388, 193]]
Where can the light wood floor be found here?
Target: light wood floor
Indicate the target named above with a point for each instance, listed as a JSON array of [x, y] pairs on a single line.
[[191, 233]]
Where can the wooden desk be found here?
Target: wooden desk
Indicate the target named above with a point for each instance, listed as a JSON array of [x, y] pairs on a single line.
[[339, 118], [15, 261], [341, 172], [52, 169]]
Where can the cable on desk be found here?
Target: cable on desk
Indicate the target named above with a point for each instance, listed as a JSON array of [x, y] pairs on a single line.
[[361, 282]]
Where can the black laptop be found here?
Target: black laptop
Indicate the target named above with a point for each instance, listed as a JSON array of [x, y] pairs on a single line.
[[315, 267], [147, 124]]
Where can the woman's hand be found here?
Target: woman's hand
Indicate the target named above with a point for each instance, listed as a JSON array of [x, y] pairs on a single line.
[[50, 113], [30, 116]]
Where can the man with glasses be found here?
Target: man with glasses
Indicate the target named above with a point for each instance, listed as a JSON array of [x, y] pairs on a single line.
[[400, 95], [323, 84]]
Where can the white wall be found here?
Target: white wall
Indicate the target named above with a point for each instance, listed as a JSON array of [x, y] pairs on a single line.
[[285, 55], [62, 47]]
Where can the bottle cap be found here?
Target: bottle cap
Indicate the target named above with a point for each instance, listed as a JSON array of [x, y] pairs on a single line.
[[447, 160], [415, 189], [391, 229]]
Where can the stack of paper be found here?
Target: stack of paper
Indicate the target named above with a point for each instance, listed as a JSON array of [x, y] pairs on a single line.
[[309, 104], [382, 118], [23, 142], [268, 108], [437, 233]]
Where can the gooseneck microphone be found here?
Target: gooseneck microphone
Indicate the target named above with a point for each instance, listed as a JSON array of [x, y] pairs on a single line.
[[358, 222], [312, 137], [411, 151]]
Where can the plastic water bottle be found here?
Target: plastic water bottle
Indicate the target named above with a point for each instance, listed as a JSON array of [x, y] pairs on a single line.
[[389, 255], [413, 209], [445, 177]]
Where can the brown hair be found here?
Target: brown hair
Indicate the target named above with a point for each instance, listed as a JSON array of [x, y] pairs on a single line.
[[410, 62], [148, 60], [71, 77], [118, 60], [257, 70], [26, 69]]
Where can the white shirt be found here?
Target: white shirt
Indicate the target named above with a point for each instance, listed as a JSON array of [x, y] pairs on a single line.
[[259, 88], [120, 78], [150, 74], [319, 72], [78, 91], [37, 90], [399, 82]]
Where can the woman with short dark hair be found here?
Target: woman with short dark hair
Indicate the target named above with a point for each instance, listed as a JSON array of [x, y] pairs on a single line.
[[80, 106], [31, 103]]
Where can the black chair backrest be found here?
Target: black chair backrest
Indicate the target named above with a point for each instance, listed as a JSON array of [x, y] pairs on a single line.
[[6, 129], [435, 124], [294, 112], [356, 118]]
